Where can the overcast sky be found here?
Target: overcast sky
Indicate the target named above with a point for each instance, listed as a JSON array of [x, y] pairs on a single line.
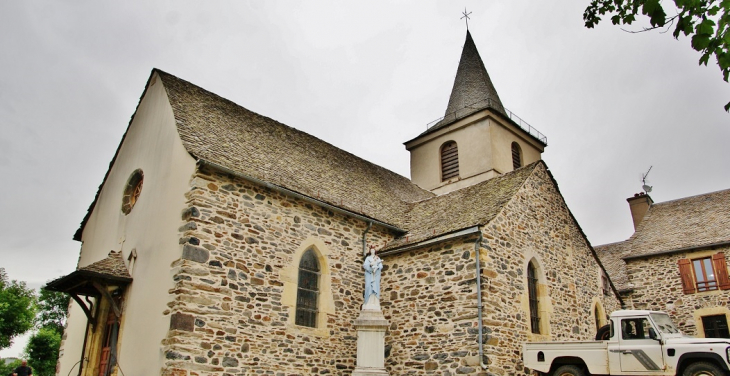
[[363, 76]]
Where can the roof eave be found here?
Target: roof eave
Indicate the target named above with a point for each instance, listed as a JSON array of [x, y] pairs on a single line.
[[298, 195], [679, 250]]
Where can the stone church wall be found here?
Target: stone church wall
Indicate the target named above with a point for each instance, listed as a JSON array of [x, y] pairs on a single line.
[[537, 226], [430, 294], [658, 286], [429, 297], [231, 310]]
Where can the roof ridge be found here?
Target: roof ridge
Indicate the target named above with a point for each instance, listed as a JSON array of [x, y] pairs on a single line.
[[691, 197], [609, 244]]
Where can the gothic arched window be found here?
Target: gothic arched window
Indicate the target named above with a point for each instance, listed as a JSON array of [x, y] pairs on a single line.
[[516, 156], [533, 297], [449, 161], [307, 290]]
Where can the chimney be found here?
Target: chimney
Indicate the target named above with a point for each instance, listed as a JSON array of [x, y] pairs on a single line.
[[639, 205]]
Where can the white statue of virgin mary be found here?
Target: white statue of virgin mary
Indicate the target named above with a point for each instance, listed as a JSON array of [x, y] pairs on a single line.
[[372, 265]]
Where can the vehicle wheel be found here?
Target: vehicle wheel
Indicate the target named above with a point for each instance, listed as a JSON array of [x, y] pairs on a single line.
[[603, 333], [569, 370], [702, 369]]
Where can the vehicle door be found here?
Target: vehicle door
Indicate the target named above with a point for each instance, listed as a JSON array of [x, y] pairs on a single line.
[[638, 352]]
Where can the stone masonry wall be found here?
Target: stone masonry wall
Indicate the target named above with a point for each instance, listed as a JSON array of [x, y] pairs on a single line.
[[658, 286], [228, 311], [536, 224], [430, 294], [429, 297]]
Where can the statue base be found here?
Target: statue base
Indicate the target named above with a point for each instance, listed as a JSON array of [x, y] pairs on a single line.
[[371, 326]]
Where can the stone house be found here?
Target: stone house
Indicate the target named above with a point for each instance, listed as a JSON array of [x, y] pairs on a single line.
[[676, 261], [237, 245]]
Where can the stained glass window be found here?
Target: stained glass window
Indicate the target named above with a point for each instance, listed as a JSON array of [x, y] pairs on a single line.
[[308, 290], [534, 303]]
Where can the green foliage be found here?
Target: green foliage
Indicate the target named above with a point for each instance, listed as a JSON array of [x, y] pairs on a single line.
[[5, 369], [705, 21], [17, 309], [42, 351], [52, 310]]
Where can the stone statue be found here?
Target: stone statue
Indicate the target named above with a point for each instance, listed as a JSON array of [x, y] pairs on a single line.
[[372, 265]]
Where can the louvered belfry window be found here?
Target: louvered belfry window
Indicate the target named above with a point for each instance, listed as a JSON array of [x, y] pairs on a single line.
[[449, 161], [516, 156], [532, 295], [308, 290]]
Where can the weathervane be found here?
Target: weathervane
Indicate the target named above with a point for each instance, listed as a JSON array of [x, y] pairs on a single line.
[[465, 17]]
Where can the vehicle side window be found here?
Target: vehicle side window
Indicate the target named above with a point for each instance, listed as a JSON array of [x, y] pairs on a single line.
[[637, 328]]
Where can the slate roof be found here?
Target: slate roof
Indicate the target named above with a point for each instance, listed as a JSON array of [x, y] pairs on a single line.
[[110, 269], [611, 258], [683, 224], [470, 206], [688, 222], [473, 90], [112, 266], [218, 130]]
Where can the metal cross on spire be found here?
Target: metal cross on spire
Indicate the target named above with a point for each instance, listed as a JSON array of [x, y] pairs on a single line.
[[465, 17]]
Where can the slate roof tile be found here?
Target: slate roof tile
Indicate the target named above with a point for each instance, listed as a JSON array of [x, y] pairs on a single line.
[[611, 258], [690, 222], [113, 266], [684, 223], [220, 131], [470, 206]]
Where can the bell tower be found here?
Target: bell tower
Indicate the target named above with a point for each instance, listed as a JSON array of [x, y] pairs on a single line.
[[477, 139]]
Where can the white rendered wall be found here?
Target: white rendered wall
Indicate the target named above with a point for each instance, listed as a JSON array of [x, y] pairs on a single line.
[[153, 145], [484, 143]]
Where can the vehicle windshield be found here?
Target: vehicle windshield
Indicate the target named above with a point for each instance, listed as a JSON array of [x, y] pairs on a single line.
[[664, 323]]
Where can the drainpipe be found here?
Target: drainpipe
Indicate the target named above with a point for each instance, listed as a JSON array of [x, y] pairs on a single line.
[[477, 246], [364, 242]]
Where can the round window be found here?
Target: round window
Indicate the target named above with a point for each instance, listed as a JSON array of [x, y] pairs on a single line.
[[132, 191]]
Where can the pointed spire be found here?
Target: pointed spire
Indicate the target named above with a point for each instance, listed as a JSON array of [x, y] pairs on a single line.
[[473, 89]]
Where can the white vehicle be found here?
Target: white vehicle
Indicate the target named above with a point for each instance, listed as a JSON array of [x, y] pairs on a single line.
[[637, 343]]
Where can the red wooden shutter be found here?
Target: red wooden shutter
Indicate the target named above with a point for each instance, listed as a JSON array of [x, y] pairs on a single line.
[[718, 262], [685, 272]]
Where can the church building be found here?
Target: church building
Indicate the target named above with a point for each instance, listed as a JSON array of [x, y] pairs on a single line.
[[222, 242]]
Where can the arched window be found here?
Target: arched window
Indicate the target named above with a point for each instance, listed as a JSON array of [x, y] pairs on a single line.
[[516, 156], [308, 290], [449, 161], [533, 297], [597, 317]]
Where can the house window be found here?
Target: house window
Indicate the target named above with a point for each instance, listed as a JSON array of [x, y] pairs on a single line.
[[534, 302], [704, 274], [516, 156], [308, 290], [715, 326], [449, 161]]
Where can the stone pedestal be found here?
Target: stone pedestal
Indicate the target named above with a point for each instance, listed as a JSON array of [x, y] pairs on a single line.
[[371, 326]]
